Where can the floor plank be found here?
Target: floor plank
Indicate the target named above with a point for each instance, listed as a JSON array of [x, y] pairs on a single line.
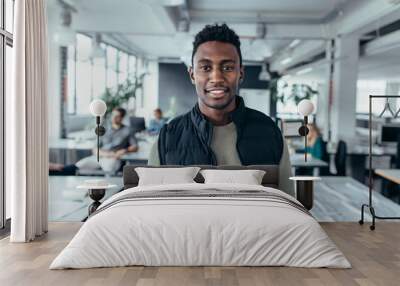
[[375, 257]]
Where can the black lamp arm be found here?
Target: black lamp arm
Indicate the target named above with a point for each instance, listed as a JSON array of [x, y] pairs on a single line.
[[303, 131], [305, 137], [100, 131]]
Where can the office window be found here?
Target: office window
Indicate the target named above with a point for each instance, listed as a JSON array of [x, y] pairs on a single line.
[[99, 76], [71, 84], [83, 73], [88, 77], [9, 13], [122, 67], [131, 66], [111, 67], [6, 44]]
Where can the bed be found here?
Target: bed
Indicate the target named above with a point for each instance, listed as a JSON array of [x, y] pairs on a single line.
[[198, 224]]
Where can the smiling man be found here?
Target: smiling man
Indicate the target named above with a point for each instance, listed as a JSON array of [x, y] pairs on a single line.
[[220, 129]]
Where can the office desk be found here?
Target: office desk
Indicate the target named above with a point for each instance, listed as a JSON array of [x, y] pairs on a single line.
[[141, 156], [389, 174], [297, 161], [363, 149], [382, 158], [376, 150], [69, 151], [65, 143]]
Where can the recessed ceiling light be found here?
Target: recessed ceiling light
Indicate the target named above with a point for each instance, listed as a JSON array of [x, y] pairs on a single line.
[[294, 43], [304, 71], [286, 61]]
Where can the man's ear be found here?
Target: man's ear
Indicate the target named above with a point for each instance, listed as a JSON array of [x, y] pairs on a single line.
[[191, 75], [241, 77]]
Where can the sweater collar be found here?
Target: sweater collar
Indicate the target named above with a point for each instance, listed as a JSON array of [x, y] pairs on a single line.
[[205, 127]]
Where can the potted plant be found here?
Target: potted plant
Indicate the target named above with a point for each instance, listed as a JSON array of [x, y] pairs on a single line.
[[297, 93], [117, 96]]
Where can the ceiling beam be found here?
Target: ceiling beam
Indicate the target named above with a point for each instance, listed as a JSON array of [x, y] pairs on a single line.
[[155, 19], [382, 44], [295, 17], [167, 17], [274, 31], [303, 52], [360, 17]]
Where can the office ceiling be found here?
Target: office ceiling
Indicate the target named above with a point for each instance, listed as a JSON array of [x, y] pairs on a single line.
[[271, 11], [383, 66], [153, 26], [164, 29]]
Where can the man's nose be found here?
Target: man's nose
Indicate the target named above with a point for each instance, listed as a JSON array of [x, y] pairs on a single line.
[[216, 76]]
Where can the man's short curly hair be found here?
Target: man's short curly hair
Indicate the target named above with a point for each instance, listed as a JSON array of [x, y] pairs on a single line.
[[220, 33]]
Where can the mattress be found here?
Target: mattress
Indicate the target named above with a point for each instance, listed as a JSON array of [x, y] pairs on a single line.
[[201, 225]]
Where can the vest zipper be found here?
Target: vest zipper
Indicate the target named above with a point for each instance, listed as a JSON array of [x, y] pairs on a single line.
[[237, 149], [213, 157]]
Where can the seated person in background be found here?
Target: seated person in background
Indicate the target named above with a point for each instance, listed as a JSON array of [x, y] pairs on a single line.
[[62, 170], [157, 123], [316, 146], [220, 129], [117, 141]]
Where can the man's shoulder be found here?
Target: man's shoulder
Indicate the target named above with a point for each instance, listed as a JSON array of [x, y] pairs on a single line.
[[179, 121], [258, 117], [124, 129]]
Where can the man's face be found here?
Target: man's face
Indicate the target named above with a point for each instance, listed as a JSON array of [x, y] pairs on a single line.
[[157, 115], [216, 73], [116, 117]]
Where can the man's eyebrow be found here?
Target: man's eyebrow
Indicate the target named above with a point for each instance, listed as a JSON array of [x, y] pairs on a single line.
[[204, 61], [228, 61], [225, 61]]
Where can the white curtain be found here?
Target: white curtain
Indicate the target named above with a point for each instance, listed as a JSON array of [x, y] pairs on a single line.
[[27, 123]]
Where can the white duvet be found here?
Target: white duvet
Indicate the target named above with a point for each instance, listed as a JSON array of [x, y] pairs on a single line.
[[200, 231]]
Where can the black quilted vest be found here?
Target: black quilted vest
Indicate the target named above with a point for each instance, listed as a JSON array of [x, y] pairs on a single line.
[[186, 139]]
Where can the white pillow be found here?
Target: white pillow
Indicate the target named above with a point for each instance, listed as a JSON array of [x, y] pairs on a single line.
[[248, 177], [164, 176]]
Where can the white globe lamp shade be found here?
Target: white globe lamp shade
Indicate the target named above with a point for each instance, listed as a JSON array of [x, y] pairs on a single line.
[[305, 107], [98, 107]]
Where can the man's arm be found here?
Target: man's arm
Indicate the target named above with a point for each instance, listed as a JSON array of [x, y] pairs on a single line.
[[133, 146], [285, 171], [154, 158], [103, 153], [152, 126]]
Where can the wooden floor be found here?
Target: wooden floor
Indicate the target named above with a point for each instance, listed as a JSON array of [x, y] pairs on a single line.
[[375, 257]]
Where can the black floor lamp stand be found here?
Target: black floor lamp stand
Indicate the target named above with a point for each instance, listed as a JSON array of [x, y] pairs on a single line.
[[370, 183]]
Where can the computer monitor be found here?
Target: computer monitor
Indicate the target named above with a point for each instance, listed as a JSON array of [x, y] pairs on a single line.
[[290, 128], [137, 124], [390, 133]]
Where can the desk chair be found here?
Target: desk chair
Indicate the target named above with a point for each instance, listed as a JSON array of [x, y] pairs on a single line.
[[340, 158], [391, 189], [137, 124], [324, 171]]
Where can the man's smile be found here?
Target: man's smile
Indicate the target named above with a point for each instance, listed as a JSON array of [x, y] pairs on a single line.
[[217, 92]]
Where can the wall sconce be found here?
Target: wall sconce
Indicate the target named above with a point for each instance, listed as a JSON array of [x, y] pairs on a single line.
[[98, 108], [305, 108]]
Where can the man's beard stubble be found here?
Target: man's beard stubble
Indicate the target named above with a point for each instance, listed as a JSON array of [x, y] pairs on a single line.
[[218, 106]]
